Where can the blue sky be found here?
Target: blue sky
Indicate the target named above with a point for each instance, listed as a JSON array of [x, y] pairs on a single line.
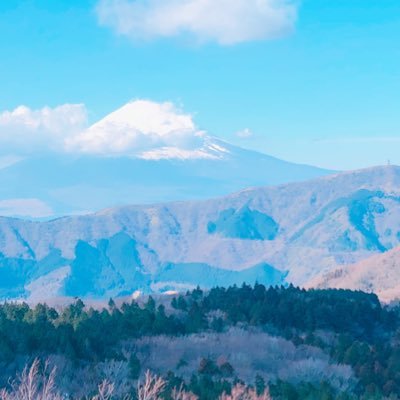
[[324, 89]]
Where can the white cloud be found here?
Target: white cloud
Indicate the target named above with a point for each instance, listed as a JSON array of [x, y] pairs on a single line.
[[25, 208], [8, 160], [244, 134], [145, 129], [24, 130], [223, 21], [141, 128]]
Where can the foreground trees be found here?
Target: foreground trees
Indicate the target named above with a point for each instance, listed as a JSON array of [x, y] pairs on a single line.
[[351, 328], [38, 383]]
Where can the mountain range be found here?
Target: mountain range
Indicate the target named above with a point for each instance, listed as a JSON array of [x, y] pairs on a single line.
[[292, 233]]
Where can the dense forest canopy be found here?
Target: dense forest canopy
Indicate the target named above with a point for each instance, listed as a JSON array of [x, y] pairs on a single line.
[[351, 328]]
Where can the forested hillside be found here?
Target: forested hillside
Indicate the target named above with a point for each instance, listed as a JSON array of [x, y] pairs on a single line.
[[316, 344]]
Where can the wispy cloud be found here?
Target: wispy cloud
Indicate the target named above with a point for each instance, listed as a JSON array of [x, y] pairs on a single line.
[[244, 133], [226, 22], [25, 208]]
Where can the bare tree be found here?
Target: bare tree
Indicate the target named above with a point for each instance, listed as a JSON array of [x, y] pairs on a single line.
[[241, 392], [181, 394], [38, 383], [151, 388], [33, 384], [116, 372], [105, 391]]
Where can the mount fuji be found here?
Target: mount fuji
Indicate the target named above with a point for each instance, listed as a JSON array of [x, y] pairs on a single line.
[[142, 153]]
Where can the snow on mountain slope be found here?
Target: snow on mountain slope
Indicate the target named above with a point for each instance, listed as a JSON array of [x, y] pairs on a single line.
[[144, 152], [274, 235], [147, 130]]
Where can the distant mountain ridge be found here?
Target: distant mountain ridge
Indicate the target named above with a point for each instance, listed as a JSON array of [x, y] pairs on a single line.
[[78, 184], [284, 234]]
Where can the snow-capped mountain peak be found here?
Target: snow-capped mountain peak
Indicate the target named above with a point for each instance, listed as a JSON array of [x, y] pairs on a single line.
[[149, 118], [147, 130]]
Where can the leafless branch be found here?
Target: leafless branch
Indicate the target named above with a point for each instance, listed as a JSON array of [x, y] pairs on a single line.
[[241, 392], [151, 388]]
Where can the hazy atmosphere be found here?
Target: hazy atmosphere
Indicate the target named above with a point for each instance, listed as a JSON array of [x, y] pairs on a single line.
[[199, 200]]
